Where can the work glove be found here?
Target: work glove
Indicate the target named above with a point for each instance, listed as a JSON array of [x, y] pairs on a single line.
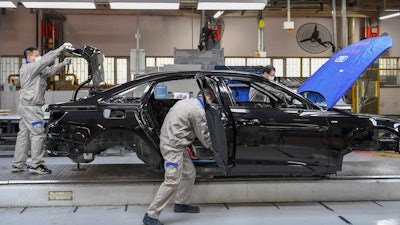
[[67, 46], [67, 61]]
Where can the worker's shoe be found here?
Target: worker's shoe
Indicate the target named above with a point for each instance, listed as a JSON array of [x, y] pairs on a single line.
[[24, 167], [151, 221], [186, 208], [41, 169]]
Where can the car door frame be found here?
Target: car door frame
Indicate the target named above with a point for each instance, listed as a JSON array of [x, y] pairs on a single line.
[[219, 121], [301, 116]]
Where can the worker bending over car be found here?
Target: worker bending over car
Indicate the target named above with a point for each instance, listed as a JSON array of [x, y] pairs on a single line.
[[185, 121]]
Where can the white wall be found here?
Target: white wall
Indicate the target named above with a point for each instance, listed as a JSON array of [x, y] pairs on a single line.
[[18, 31], [115, 34], [391, 26]]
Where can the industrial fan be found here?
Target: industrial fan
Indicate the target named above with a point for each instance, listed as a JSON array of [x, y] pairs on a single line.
[[211, 33], [314, 38]]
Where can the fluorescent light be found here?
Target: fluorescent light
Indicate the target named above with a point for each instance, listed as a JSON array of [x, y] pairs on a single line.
[[54, 4], [145, 4], [8, 4], [218, 14], [389, 16], [231, 4]]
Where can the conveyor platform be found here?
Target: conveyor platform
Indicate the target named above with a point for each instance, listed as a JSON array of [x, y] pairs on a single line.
[[365, 176]]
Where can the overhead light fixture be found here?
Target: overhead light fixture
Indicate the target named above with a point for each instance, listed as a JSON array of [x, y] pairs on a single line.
[[218, 14], [145, 4], [64, 4], [231, 4], [389, 16], [8, 4]]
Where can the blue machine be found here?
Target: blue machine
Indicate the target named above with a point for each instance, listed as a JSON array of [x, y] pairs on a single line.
[[160, 92], [241, 93]]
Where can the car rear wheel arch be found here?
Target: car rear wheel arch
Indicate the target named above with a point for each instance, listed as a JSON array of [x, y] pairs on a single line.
[[132, 140]]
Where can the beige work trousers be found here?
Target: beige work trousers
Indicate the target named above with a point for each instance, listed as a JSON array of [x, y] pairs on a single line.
[[30, 136], [180, 175]]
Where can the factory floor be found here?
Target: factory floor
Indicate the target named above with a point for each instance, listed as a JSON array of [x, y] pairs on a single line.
[[310, 213], [318, 212]]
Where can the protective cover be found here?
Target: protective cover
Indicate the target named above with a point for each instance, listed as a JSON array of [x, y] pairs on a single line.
[[338, 74]]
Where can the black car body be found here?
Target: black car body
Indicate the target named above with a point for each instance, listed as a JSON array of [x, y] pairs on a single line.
[[285, 135]]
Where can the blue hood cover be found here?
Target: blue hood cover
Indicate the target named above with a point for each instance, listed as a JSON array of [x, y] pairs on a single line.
[[338, 74]]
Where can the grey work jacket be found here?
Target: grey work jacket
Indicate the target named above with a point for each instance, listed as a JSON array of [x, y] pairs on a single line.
[[185, 121], [33, 78]]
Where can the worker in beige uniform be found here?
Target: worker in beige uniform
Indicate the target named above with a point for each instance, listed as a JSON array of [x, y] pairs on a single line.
[[184, 122], [33, 75]]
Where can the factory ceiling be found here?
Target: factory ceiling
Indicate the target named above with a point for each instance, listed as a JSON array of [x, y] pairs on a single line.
[[274, 8]]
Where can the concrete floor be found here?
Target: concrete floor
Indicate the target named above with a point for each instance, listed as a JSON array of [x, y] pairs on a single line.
[[310, 213], [274, 213]]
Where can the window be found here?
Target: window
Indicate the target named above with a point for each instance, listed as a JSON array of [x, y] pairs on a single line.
[[176, 89], [263, 95], [129, 96]]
